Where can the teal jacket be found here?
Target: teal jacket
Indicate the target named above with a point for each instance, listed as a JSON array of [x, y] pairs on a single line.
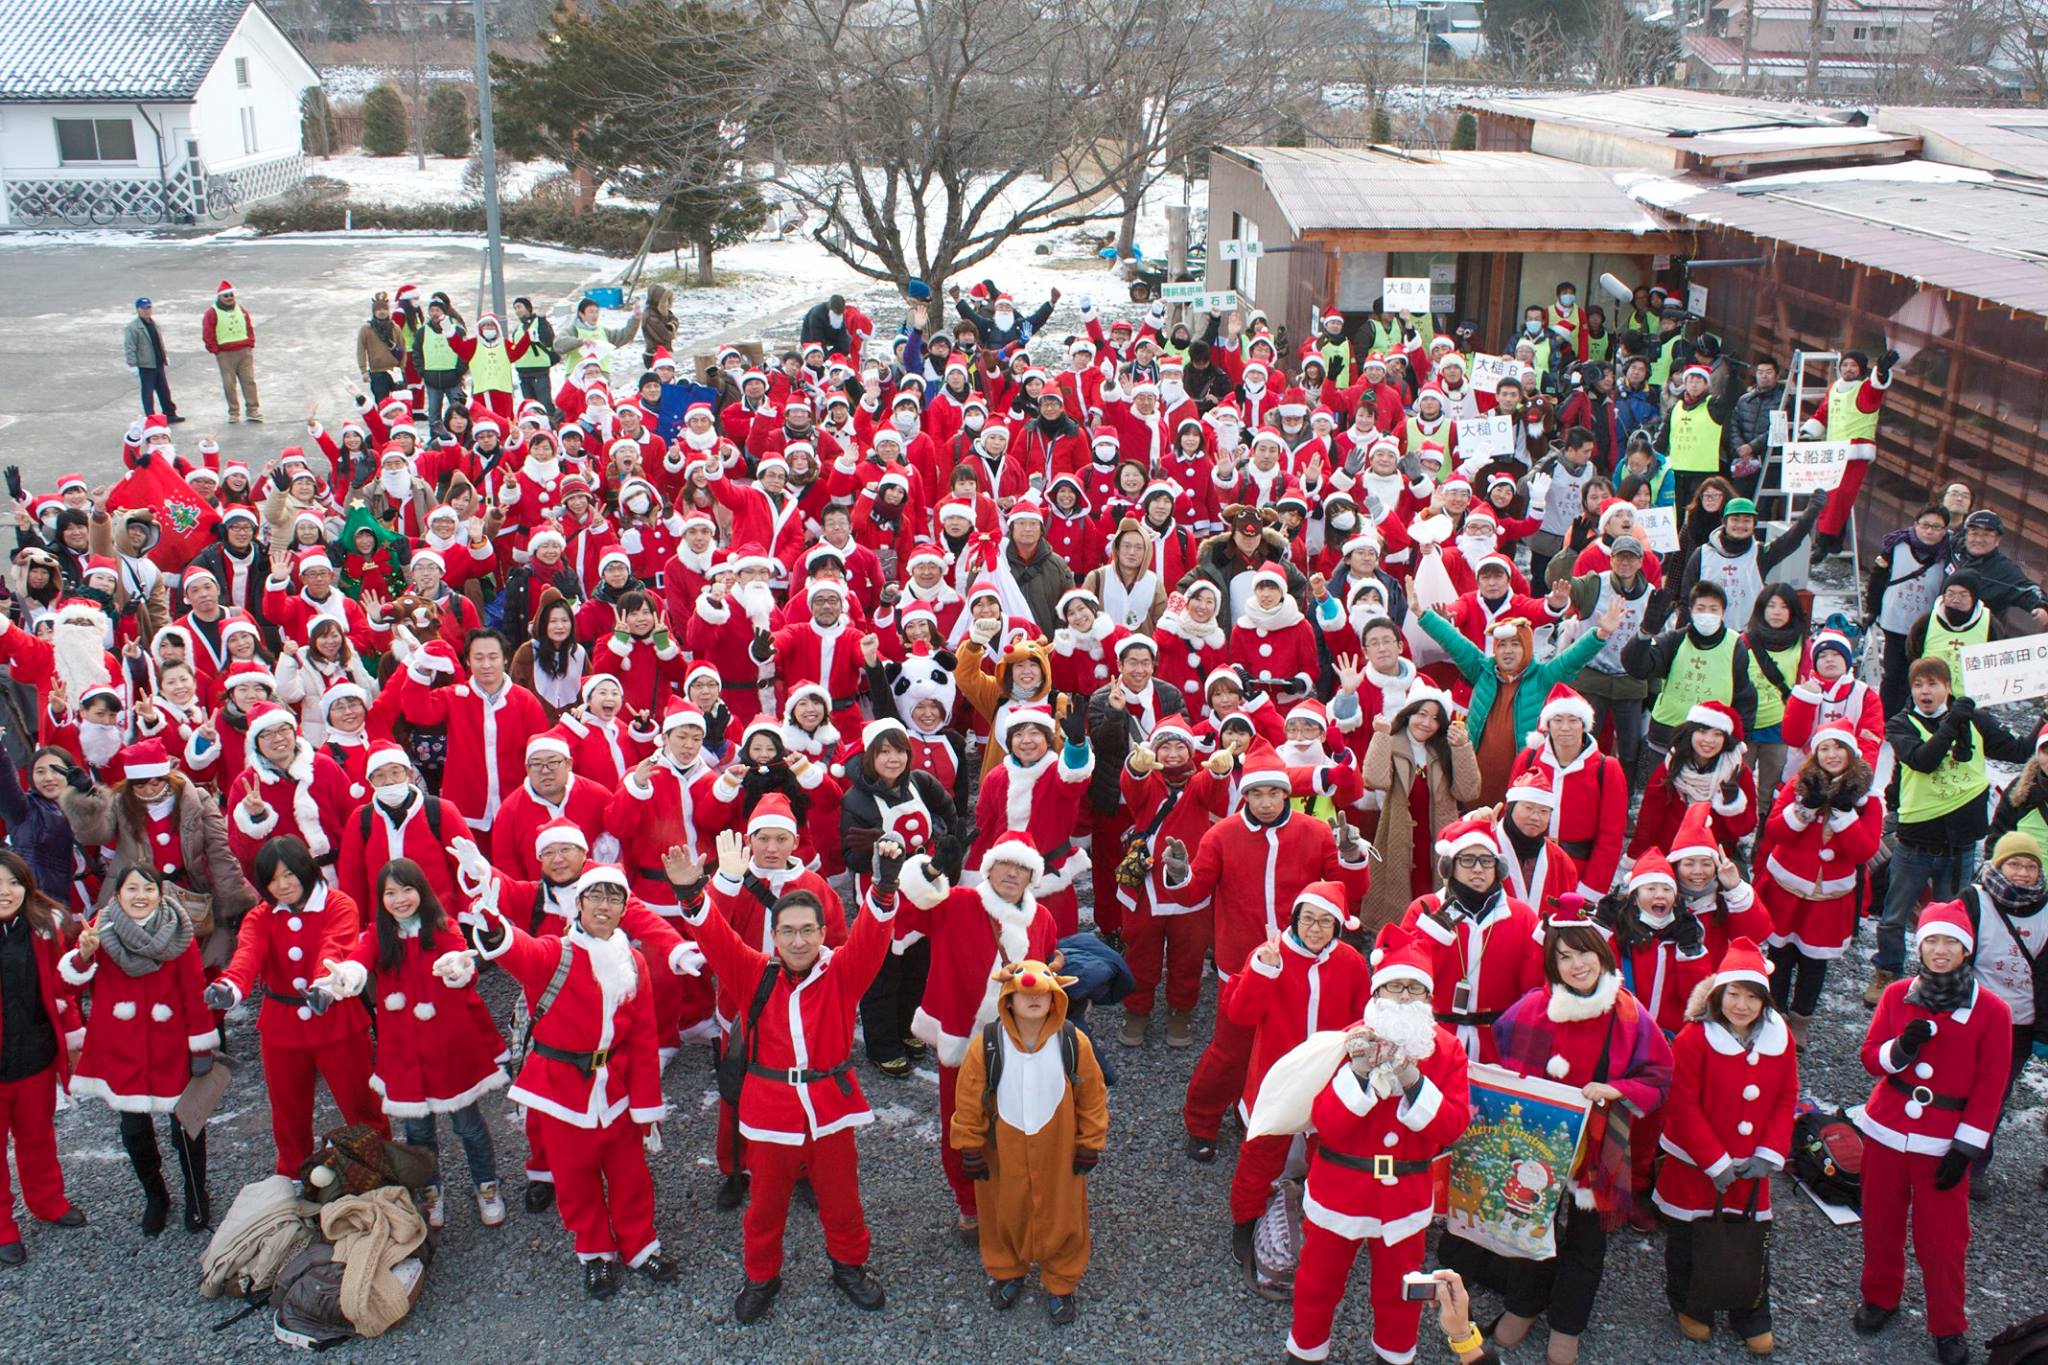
[[1537, 680]]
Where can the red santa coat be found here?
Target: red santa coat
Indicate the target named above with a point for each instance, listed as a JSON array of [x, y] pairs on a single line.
[[584, 804], [546, 909], [283, 948], [438, 1049], [648, 673], [1187, 655], [1658, 818], [1278, 658], [1085, 661], [142, 1031], [1967, 1060], [308, 799], [33, 660], [294, 613], [806, 1026], [1350, 1117], [973, 931], [1307, 993], [1189, 810], [1540, 881], [372, 837], [674, 806], [777, 525], [1811, 866], [601, 752], [587, 1015], [486, 738], [1497, 957], [1255, 872], [1727, 1103], [806, 653], [724, 638], [1043, 802], [1663, 978], [1814, 704], [1592, 808]]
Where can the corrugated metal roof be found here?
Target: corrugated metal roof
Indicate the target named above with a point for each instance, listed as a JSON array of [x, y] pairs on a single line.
[[1325, 188], [2007, 139], [111, 49], [1704, 124], [1969, 231]]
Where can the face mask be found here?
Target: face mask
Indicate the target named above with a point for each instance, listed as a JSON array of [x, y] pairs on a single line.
[[394, 795], [1342, 521], [638, 504], [973, 421], [1706, 622], [1532, 328], [487, 335], [904, 422], [1567, 300]]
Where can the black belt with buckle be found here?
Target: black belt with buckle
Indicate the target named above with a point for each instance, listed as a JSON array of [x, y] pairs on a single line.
[[585, 1062], [282, 998], [1921, 1095], [796, 1075], [1380, 1167], [1477, 1019]]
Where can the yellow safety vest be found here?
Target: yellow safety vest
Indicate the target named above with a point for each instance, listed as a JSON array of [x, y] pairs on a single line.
[[1950, 787], [490, 371], [1947, 644], [1846, 421], [436, 353], [1770, 702], [1695, 439], [230, 325], [1696, 675], [533, 357]]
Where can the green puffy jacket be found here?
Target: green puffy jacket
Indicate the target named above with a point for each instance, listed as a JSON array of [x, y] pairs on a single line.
[[1537, 680]]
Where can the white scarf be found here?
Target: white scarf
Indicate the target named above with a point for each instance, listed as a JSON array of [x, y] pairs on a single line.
[[1177, 624], [1277, 617], [1129, 604]]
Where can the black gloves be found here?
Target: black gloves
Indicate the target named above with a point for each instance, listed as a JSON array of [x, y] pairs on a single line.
[[1813, 792], [14, 487], [318, 1001], [974, 1163], [764, 646], [888, 870], [1686, 934], [1846, 800], [1074, 725], [1884, 372], [1085, 1159], [78, 779], [1955, 1164], [218, 996], [1963, 707], [1911, 1039]]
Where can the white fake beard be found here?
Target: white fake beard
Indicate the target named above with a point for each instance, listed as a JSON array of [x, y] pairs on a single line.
[[1005, 321], [1171, 392], [757, 600], [1476, 548], [80, 653], [99, 742], [396, 484], [1303, 753], [700, 440], [611, 962], [1407, 1024]]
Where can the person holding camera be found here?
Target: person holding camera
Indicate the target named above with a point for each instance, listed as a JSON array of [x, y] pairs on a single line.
[[1399, 1098]]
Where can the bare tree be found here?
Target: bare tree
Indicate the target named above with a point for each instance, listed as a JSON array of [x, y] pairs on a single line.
[[926, 133]]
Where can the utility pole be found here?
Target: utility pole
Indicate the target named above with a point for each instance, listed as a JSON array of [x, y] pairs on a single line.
[[495, 246], [1813, 31]]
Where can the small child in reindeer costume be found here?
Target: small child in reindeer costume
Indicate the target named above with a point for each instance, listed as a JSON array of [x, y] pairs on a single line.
[[1030, 1118]]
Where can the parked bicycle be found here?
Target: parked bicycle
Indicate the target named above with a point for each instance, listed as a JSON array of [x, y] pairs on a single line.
[[77, 203]]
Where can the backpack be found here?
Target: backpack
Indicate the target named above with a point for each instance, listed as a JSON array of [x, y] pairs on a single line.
[[306, 1301], [992, 1059], [2023, 1343], [1827, 1156], [430, 806]]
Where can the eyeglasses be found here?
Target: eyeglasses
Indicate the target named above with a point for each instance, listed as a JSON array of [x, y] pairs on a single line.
[[791, 933], [1472, 862], [1409, 990], [605, 895]]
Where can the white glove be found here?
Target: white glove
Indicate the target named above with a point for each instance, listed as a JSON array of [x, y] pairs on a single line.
[[1812, 430], [1087, 304], [135, 432], [470, 860], [456, 969], [687, 959], [985, 630]]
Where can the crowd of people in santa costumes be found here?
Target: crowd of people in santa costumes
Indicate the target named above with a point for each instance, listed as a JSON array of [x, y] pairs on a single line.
[[1010, 665]]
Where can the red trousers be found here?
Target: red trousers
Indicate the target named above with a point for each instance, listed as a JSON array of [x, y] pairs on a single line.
[[949, 1156], [1260, 1161], [1834, 518], [1105, 851], [833, 1164], [289, 1073], [28, 1114], [1319, 1280], [602, 1188], [1218, 1081], [1181, 940], [1894, 1184]]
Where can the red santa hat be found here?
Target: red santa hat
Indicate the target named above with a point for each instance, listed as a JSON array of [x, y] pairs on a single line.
[[1027, 715], [1564, 701], [143, 760], [1695, 836], [1841, 732], [202, 474], [682, 711], [1744, 962], [1328, 897], [1016, 848], [559, 832], [548, 742], [1269, 573], [983, 588], [1652, 869], [1027, 508], [435, 656], [1532, 784], [245, 671], [1136, 640], [1470, 832], [71, 481], [1264, 769], [102, 564], [1612, 506], [267, 716], [1312, 711], [773, 812], [611, 555], [1950, 918], [1400, 954], [547, 533], [591, 681], [601, 874], [1716, 715], [925, 553], [915, 612], [1174, 727], [226, 287], [1294, 402], [340, 692], [1700, 370]]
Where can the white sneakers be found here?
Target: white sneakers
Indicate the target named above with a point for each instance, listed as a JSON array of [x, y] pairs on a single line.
[[490, 1205]]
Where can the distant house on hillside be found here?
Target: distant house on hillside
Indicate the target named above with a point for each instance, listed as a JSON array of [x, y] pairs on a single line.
[[141, 111], [1859, 42]]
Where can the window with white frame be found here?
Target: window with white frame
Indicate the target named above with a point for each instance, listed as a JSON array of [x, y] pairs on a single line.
[[84, 140]]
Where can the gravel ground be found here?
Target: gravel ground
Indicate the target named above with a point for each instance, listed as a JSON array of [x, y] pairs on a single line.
[[1162, 1275]]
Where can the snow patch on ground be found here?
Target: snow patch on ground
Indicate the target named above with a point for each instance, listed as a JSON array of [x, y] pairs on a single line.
[[400, 181], [352, 82]]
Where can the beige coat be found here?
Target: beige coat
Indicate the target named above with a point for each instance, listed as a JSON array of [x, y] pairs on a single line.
[[1390, 769]]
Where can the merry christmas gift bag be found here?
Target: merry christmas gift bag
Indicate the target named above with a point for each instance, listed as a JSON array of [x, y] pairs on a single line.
[[1509, 1169]]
